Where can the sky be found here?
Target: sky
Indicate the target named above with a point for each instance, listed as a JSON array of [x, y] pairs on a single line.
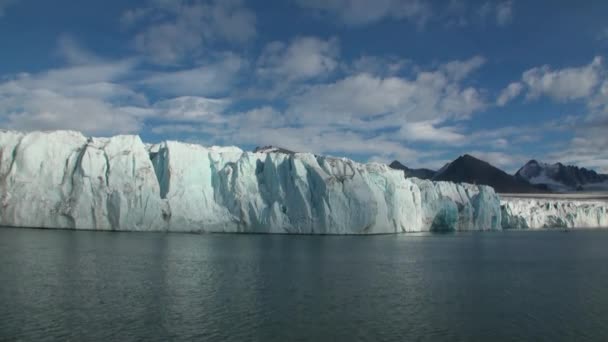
[[374, 80]]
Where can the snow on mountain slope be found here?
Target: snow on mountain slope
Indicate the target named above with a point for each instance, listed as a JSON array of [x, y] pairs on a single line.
[[66, 180], [562, 178]]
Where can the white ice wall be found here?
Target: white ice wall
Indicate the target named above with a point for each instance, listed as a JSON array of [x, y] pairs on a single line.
[[66, 180], [553, 213]]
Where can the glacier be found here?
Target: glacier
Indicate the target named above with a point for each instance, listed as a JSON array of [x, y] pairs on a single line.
[[63, 179], [535, 213]]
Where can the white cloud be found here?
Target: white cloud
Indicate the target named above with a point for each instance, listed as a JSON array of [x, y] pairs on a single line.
[[233, 22], [589, 84], [367, 101], [360, 114], [588, 146], [586, 149], [565, 84], [266, 117], [47, 110], [361, 12], [509, 93], [192, 108], [168, 43], [303, 58], [458, 70], [91, 99], [209, 79], [378, 66], [100, 97], [85, 97], [175, 30], [427, 131], [267, 126]]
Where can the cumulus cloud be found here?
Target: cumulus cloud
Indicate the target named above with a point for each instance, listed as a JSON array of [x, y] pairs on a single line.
[[84, 98], [174, 30], [588, 146], [303, 58], [361, 12], [89, 98], [365, 100], [360, 114], [565, 84], [588, 84], [97, 96]]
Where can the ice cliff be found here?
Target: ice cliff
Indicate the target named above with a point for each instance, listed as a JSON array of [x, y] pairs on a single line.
[[63, 179], [553, 213]]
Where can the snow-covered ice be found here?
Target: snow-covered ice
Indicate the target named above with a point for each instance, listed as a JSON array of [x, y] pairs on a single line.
[[63, 179], [553, 213]]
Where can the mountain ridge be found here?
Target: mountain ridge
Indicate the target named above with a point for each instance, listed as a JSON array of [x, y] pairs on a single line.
[[560, 177]]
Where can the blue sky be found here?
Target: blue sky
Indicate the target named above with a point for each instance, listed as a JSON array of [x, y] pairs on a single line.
[[418, 81]]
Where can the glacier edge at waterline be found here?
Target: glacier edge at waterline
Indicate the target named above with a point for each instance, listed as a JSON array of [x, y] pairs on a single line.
[[62, 179]]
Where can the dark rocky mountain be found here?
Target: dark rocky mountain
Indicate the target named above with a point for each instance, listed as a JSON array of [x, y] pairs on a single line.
[[560, 177], [469, 169], [418, 173]]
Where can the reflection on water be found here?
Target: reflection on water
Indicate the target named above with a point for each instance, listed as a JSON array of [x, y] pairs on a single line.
[[60, 285]]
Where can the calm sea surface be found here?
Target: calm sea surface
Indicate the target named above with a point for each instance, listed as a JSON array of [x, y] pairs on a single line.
[[84, 286]]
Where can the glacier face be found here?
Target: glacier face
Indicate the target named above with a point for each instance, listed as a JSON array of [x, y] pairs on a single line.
[[66, 180], [553, 213]]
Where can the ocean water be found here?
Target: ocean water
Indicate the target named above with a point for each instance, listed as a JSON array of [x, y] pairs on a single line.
[[106, 286]]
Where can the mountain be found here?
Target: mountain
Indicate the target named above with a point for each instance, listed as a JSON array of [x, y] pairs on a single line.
[[418, 173], [469, 169], [272, 149], [560, 177]]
